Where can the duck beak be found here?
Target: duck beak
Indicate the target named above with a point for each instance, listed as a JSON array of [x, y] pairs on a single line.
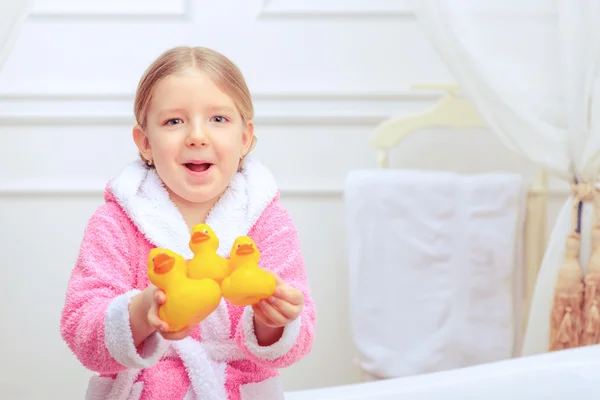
[[244, 250], [163, 263], [199, 237]]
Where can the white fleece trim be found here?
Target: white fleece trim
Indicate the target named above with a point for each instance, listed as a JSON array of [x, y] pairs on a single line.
[[249, 193], [269, 389], [121, 388], [119, 338], [276, 350], [189, 395], [216, 331], [143, 197], [217, 326], [136, 391], [124, 387], [98, 387], [226, 351], [207, 376]]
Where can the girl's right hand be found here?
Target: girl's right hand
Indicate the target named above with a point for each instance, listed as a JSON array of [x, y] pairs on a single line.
[[159, 298]]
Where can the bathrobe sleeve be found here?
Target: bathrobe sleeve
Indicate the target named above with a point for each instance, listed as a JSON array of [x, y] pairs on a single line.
[[277, 239], [95, 318]]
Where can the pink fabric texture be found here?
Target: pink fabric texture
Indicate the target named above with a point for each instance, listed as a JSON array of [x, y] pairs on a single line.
[[221, 359]]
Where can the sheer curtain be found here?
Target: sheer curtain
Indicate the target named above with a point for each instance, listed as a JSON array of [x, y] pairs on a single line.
[[534, 85], [12, 16]]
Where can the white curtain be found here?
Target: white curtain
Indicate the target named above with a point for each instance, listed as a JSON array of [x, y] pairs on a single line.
[[535, 88], [12, 16]]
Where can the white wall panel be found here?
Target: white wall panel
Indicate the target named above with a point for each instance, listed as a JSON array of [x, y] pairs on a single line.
[[109, 8], [329, 8]]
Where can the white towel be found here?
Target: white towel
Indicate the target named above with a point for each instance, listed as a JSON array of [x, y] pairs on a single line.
[[435, 268]]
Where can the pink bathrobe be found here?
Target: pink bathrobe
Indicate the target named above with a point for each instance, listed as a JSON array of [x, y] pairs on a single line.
[[221, 359]]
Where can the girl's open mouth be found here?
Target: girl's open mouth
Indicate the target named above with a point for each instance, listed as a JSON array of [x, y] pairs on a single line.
[[203, 167]]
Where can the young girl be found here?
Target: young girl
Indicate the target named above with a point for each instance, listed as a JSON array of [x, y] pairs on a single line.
[[194, 132]]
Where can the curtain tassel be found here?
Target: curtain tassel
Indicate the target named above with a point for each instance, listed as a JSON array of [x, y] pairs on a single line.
[[591, 312]]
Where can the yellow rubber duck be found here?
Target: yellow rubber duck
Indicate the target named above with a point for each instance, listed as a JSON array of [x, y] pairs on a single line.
[[206, 263], [248, 283], [189, 301]]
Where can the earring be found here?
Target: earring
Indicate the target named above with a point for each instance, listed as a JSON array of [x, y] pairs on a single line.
[[149, 162]]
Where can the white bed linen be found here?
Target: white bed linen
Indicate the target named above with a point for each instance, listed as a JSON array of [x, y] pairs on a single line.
[[567, 374]]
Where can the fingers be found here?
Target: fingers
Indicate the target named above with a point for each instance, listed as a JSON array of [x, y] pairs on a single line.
[[290, 295], [259, 315], [154, 320], [271, 316], [289, 310], [160, 297], [182, 334], [287, 292], [161, 326], [278, 280]]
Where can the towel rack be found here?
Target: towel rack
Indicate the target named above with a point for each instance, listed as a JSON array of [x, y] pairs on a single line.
[[451, 111], [455, 111]]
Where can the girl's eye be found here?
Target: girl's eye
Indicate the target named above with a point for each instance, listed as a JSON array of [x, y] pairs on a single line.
[[219, 119], [173, 121]]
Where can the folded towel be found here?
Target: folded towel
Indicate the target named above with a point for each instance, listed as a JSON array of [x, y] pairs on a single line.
[[435, 268]]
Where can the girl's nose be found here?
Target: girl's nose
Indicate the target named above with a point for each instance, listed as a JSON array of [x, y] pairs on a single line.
[[197, 136]]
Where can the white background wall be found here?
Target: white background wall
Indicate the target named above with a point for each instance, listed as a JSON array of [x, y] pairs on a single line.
[[323, 73]]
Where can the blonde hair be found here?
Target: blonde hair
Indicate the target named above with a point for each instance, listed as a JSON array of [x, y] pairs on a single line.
[[222, 71]]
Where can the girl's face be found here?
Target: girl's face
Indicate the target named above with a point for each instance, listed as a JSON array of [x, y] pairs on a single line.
[[195, 136]]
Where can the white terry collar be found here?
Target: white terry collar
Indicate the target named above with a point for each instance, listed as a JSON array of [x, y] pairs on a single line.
[[143, 197]]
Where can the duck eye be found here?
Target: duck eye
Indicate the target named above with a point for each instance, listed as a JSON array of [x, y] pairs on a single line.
[[238, 245], [206, 231]]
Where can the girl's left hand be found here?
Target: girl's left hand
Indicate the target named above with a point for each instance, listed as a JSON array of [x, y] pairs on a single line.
[[280, 309]]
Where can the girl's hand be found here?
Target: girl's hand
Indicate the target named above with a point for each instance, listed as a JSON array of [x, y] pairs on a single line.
[[280, 309], [159, 298]]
